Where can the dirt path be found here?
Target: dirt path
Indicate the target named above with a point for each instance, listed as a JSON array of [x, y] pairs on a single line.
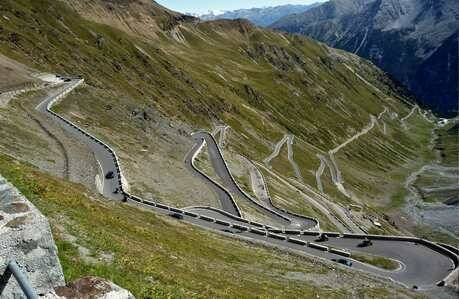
[[325, 206], [291, 158], [56, 140], [276, 151], [319, 173], [404, 119]]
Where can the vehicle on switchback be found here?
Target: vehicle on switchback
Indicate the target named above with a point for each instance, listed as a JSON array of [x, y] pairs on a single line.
[[176, 216], [110, 175], [345, 262], [365, 243], [322, 238]]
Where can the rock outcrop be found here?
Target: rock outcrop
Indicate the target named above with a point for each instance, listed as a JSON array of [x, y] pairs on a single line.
[[25, 236], [92, 287]]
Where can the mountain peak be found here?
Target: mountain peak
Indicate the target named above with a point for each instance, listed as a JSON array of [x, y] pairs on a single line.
[[397, 35], [140, 17]]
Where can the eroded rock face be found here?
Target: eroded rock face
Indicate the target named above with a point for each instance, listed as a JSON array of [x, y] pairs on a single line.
[[415, 41], [93, 287], [25, 236]]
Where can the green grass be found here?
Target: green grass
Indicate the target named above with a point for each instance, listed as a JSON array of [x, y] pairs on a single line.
[[377, 261], [284, 196], [398, 199], [426, 232], [448, 143]]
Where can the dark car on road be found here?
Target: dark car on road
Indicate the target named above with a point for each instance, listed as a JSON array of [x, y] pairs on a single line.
[[176, 216], [110, 175], [322, 238], [365, 243], [344, 262]]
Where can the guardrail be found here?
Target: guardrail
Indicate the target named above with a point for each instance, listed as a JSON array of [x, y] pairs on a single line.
[[12, 269], [229, 215]]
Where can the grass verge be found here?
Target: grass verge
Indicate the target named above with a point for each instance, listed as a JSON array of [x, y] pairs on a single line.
[[377, 261]]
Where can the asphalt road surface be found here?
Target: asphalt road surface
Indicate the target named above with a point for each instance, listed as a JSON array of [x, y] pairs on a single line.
[[102, 155]]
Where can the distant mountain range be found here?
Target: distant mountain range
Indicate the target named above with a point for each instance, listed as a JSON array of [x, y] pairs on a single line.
[[416, 41], [263, 17]]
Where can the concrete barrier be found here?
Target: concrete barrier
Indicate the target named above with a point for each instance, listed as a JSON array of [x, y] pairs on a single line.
[[136, 199], [176, 210], [221, 222], [149, 203], [292, 232], [275, 230], [161, 206], [236, 218], [451, 248], [191, 214], [257, 231], [332, 234], [339, 252], [310, 233], [318, 246], [354, 236], [240, 227], [210, 219], [276, 236], [256, 224], [297, 241]]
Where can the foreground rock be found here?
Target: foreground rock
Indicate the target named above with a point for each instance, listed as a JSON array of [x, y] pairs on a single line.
[[25, 236], [92, 287]]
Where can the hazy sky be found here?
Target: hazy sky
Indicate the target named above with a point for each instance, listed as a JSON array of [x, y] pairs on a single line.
[[201, 6]]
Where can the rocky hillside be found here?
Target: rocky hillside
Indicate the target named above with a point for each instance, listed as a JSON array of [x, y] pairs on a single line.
[[415, 41], [152, 77], [259, 16]]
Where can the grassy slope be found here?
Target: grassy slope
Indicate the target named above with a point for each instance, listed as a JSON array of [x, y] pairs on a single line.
[[377, 163], [377, 261], [154, 256]]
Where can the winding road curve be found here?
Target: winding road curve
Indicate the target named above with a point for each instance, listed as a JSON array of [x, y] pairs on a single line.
[[425, 263], [226, 199], [223, 172]]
